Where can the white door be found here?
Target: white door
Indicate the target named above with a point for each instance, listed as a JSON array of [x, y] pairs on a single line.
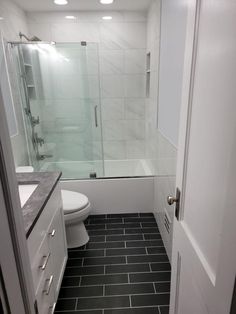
[[204, 243]]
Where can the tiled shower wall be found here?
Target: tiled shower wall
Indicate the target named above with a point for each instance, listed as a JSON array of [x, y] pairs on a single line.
[[14, 20], [122, 58]]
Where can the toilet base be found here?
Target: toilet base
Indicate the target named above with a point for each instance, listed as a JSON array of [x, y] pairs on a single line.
[[76, 235]]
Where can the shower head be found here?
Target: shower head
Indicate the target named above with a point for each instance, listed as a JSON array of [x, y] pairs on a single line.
[[34, 38]]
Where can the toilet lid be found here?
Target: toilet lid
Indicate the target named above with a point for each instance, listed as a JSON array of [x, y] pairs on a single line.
[[73, 201]]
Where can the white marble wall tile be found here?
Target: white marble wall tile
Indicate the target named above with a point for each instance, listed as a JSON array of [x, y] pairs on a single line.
[[135, 149], [134, 129], [135, 108], [135, 61], [114, 150], [135, 85], [113, 109], [112, 86], [112, 61], [113, 130]]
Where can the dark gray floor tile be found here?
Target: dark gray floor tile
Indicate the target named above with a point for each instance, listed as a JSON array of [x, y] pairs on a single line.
[[127, 268], [146, 243], [141, 230], [95, 227], [150, 277], [105, 245], [97, 239], [103, 302], [143, 219], [82, 312], [74, 262], [162, 287], [156, 250], [70, 282], [122, 215], [104, 279], [66, 305], [141, 310], [105, 221], [95, 291], [148, 224], [122, 226], [151, 299], [80, 248], [124, 237], [97, 216], [153, 236], [147, 259], [164, 309], [104, 260], [160, 267], [85, 253], [146, 215], [120, 252], [105, 232], [129, 289], [79, 271]]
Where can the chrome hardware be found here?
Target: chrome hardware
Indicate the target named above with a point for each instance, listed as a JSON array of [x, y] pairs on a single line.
[[175, 199], [52, 234], [38, 140], [46, 259], [42, 157], [50, 281], [52, 308], [96, 115]]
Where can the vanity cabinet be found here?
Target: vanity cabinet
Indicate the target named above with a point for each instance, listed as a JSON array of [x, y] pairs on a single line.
[[48, 253]]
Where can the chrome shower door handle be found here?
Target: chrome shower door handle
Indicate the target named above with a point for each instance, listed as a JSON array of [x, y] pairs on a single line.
[[96, 116]]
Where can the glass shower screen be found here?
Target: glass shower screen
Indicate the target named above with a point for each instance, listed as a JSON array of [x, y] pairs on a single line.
[[60, 89]]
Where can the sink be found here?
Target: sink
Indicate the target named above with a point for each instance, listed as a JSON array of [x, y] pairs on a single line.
[[25, 191]]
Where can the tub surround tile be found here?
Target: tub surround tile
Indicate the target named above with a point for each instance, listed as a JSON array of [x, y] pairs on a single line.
[[118, 274]]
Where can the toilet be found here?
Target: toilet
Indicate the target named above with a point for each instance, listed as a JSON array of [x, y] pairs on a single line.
[[76, 208]]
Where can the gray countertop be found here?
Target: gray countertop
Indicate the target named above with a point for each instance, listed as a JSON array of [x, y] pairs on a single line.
[[35, 204]]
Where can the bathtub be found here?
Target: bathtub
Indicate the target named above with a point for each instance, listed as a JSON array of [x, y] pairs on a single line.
[[127, 187]]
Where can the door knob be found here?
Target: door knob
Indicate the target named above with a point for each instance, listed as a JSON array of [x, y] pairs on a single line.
[[171, 200]]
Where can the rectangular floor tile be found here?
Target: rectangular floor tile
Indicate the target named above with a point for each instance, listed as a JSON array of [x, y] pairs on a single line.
[[82, 312], [162, 287], [119, 252], [147, 259], [164, 309], [95, 291], [150, 277], [78, 271], [142, 220], [97, 239], [152, 236], [148, 224], [146, 215], [86, 253], [141, 230], [96, 227], [105, 232], [129, 289], [105, 221], [149, 300], [124, 237], [122, 226], [122, 215], [103, 302], [146, 243], [97, 216], [156, 250], [70, 282], [105, 245], [74, 262], [128, 268], [142, 310], [105, 260], [66, 305], [160, 266], [104, 279]]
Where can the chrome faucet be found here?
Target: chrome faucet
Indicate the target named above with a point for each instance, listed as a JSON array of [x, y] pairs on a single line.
[[42, 157]]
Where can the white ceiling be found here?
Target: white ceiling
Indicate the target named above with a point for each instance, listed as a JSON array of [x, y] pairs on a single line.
[[83, 5]]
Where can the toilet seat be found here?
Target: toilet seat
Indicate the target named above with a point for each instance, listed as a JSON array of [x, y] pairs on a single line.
[[73, 201]]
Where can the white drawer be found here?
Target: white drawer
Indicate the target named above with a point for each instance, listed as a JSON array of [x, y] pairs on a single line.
[[41, 227], [41, 262]]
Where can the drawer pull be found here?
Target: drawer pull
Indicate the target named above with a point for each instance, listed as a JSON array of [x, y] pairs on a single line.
[[50, 281], [52, 308], [46, 259], [52, 234]]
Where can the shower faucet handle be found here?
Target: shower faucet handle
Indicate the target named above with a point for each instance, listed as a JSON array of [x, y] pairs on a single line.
[[42, 157], [35, 121], [38, 140]]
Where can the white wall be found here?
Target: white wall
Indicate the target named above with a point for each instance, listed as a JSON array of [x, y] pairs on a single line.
[[14, 21], [122, 45]]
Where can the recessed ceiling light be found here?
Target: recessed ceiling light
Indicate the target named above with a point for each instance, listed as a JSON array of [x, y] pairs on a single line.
[[61, 2], [106, 1], [107, 18], [70, 17]]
